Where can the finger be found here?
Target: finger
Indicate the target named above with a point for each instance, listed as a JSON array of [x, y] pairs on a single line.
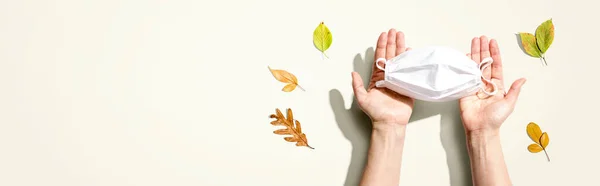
[[515, 89], [400, 43], [377, 73], [408, 48], [475, 50], [469, 55], [380, 49], [485, 53], [358, 87], [497, 64], [391, 44]]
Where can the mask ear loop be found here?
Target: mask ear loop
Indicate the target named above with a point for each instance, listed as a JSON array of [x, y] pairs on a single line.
[[380, 83], [377, 63], [485, 63]]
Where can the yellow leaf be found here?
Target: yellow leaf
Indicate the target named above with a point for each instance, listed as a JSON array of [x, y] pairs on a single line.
[[289, 87], [286, 77], [544, 140], [322, 38], [292, 127], [541, 139], [534, 148], [534, 132]]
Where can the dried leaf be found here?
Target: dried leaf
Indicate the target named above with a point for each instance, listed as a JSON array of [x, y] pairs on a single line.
[[322, 38], [289, 87], [534, 148], [541, 139], [544, 35], [286, 77], [529, 45], [534, 132], [544, 140], [292, 127]]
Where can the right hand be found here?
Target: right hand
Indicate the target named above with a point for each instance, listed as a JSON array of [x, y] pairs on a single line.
[[384, 107], [482, 113]]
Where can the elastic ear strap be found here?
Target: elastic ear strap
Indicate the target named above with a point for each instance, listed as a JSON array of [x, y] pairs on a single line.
[[377, 63], [485, 63]]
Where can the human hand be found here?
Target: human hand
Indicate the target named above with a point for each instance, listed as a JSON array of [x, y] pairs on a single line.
[[384, 106], [484, 113]]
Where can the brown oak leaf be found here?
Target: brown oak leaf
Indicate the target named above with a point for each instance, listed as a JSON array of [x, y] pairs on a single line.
[[292, 127]]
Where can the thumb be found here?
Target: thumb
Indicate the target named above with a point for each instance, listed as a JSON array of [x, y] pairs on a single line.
[[359, 88], [513, 92]]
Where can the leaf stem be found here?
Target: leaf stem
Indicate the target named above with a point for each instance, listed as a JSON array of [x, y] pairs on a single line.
[[548, 157], [325, 55], [300, 87], [309, 146], [544, 60]]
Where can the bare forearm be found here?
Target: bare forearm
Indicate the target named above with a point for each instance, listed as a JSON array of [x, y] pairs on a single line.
[[487, 160], [385, 156]]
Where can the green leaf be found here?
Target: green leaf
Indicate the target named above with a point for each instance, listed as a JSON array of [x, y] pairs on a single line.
[[529, 44], [322, 38], [544, 35]]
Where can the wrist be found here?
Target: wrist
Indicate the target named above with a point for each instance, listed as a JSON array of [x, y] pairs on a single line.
[[390, 130], [482, 137]]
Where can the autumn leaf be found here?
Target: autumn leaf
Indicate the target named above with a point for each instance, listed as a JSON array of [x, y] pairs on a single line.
[[541, 139], [286, 77], [537, 45], [322, 38], [544, 35], [292, 127], [529, 45], [534, 148], [534, 131]]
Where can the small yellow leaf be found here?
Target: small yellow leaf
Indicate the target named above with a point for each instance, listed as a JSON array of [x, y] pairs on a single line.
[[544, 140], [286, 77], [541, 139], [289, 87], [534, 148], [322, 38], [534, 132]]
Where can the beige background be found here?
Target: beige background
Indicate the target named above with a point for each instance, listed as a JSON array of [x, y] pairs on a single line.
[[178, 92]]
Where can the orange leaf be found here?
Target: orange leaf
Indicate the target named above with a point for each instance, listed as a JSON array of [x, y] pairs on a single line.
[[292, 127], [540, 138], [289, 87], [534, 132], [534, 148], [286, 77], [544, 140]]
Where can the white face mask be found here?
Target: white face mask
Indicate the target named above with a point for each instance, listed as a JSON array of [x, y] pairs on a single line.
[[434, 74]]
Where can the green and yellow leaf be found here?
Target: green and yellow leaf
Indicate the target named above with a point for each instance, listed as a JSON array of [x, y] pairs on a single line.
[[544, 35], [529, 44]]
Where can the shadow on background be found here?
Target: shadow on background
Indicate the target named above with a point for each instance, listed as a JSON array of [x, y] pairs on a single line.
[[520, 43], [356, 127]]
